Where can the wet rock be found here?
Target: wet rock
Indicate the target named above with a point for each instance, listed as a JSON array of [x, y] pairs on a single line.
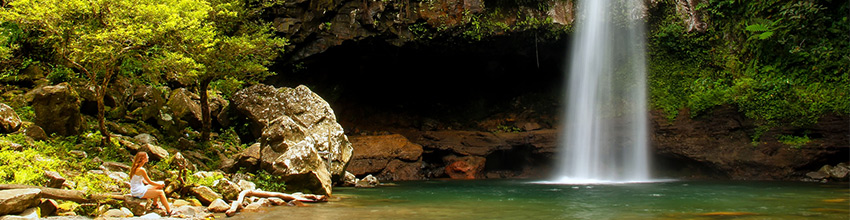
[[17, 200], [839, 171], [218, 206], [189, 212], [9, 120], [57, 110], [277, 201], [468, 167], [247, 159], [204, 194], [367, 182]]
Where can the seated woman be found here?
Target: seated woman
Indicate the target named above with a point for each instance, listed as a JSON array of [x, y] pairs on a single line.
[[138, 179]]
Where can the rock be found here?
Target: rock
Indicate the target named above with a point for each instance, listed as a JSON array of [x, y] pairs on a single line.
[[151, 216], [300, 167], [145, 139], [145, 103], [839, 171], [115, 166], [9, 120], [367, 182], [31, 213], [79, 153], [468, 167], [17, 200], [402, 170], [54, 179], [204, 194], [57, 110], [372, 154], [218, 206], [181, 163], [187, 211], [246, 185], [817, 175], [248, 159], [136, 205], [277, 201], [184, 107], [348, 180], [48, 207], [35, 132], [155, 152], [180, 202], [229, 190], [117, 213], [253, 207], [11, 145], [286, 116]]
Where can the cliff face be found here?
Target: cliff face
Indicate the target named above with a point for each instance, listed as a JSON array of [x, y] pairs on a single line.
[[314, 26]]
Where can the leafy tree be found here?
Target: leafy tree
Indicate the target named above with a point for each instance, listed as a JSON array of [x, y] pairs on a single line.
[[94, 36], [243, 48]]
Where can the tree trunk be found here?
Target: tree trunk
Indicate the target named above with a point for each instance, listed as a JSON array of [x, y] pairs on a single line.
[[63, 194], [206, 122], [287, 197], [100, 93]]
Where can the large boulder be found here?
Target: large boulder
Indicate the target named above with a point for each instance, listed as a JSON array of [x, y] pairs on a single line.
[[204, 194], [145, 103], [184, 107], [9, 120], [393, 156], [57, 110], [299, 136], [15, 201]]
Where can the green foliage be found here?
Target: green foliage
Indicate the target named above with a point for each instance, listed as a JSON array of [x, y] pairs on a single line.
[[203, 180], [794, 141], [10, 35], [60, 74], [26, 113], [777, 61], [227, 86], [269, 182], [26, 167]]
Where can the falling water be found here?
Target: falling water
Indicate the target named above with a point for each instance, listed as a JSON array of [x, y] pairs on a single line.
[[605, 131]]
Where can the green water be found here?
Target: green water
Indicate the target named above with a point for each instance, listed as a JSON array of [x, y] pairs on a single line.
[[518, 199]]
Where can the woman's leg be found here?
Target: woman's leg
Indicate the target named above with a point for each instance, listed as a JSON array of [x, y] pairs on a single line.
[[157, 194]]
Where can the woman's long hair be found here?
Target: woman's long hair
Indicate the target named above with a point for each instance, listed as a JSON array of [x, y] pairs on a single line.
[[137, 162]]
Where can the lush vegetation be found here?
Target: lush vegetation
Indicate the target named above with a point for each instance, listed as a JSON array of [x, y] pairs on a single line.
[[779, 62]]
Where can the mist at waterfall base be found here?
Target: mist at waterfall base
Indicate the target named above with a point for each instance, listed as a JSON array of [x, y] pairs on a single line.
[[604, 135]]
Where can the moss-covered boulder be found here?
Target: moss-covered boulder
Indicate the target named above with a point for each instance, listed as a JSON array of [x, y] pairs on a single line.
[[57, 110]]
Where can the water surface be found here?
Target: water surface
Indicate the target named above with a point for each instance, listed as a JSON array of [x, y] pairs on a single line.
[[522, 199]]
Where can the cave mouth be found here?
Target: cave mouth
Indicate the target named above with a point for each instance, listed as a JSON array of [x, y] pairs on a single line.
[[518, 161], [449, 82]]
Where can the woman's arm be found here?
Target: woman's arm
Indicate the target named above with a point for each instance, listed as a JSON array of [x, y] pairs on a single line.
[[147, 179]]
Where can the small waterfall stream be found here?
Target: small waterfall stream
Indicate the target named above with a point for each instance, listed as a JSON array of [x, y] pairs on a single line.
[[605, 131]]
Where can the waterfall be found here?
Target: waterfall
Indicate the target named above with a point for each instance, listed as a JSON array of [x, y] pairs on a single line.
[[604, 132]]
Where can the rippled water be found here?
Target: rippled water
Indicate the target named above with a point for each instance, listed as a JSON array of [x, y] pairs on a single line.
[[517, 199]]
